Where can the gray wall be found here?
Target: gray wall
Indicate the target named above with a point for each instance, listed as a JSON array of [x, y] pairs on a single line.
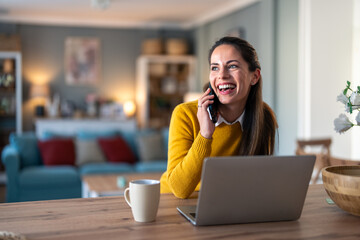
[[43, 56], [286, 84]]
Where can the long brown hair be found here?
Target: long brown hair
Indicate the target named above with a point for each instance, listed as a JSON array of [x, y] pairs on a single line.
[[259, 126]]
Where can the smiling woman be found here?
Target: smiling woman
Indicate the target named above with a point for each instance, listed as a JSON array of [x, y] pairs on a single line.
[[245, 124]]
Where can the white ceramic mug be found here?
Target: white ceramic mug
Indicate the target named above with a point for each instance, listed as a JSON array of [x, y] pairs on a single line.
[[143, 197]]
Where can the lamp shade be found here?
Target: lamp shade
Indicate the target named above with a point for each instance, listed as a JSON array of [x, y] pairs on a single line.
[[39, 91]]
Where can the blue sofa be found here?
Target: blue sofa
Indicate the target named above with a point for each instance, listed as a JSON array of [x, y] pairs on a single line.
[[28, 179]]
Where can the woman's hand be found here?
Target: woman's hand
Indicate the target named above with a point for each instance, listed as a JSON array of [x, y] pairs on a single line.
[[207, 127]]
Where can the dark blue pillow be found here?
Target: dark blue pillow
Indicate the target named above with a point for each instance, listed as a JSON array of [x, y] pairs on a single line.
[[26, 145]]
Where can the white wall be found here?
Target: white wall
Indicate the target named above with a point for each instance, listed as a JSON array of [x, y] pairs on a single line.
[[330, 64]]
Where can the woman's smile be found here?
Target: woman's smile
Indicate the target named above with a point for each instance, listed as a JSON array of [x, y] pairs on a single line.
[[226, 88]]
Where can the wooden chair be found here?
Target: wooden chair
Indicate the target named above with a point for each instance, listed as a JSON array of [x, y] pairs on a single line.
[[323, 155]]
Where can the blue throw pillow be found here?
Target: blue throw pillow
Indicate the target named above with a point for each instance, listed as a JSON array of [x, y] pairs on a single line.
[[27, 146], [129, 137]]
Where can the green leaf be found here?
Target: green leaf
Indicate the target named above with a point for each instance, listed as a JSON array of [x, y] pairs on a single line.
[[348, 83], [358, 89], [345, 91], [350, 106]]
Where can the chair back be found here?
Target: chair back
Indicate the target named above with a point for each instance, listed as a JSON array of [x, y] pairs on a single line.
[[318, 147]]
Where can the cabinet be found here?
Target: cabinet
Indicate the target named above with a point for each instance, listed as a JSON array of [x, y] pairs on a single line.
[[162, 82], [10, 95]]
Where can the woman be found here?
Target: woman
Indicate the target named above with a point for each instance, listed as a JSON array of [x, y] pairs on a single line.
[[245, 124]]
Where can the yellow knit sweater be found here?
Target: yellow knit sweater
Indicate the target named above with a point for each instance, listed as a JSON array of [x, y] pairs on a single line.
[[187, 149]]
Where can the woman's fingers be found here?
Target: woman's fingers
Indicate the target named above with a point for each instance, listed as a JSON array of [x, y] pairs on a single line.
[[205, 99], [207, 127]]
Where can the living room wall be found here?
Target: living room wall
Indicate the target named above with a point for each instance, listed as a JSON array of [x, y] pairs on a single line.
[[43, 57]]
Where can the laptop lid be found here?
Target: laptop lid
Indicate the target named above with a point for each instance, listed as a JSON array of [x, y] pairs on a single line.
[[245, 189]]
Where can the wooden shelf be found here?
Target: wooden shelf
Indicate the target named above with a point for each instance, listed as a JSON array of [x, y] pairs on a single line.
[[7, 89], [10, 97], [162, 82]]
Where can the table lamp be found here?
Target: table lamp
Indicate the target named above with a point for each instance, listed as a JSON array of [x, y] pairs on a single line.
[[129, 108], [40, 92]]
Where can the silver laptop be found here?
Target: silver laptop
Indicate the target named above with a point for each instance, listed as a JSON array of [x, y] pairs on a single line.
[[251, 189]]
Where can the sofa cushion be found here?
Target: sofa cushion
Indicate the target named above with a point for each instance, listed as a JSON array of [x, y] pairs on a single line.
[[151, 147], [105, 168], [26, 145], [165, 135], [154, 166], [116, 150], [130, 138], [48, 177], [46, 135], [57, 151], [92, 135], [88, 151]]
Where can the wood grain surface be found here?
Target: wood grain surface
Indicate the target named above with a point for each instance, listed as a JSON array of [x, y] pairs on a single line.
[[110, 218]]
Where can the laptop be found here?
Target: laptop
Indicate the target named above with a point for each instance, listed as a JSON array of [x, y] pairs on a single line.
[[248, 189]]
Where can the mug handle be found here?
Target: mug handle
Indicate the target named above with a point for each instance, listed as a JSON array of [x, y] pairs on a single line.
[[126, 196]]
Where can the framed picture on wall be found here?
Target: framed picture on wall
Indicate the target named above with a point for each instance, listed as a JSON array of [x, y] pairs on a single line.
[[82, 61]]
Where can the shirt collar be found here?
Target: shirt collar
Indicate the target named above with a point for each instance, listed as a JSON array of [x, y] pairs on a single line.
[[239, 119]]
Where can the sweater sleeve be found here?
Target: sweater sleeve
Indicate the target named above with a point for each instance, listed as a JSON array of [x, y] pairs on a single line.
[[187, 150]]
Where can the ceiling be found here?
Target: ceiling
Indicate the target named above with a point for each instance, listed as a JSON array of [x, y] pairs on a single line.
[[182, 14]]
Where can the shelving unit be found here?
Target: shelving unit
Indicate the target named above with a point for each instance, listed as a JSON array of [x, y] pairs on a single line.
[[10, 95], [162, 81]]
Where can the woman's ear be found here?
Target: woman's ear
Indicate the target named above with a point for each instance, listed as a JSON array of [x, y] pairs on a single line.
[[255, 77]]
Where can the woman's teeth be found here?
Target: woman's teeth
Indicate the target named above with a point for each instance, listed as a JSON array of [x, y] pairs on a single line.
[[226, 86]]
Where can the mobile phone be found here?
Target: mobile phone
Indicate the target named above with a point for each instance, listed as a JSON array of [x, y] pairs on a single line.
[[213, 108]]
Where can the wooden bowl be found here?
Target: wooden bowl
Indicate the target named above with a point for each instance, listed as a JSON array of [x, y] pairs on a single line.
[[342, 183]]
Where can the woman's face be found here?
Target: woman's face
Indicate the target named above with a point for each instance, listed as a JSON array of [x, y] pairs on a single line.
[[230, 76]]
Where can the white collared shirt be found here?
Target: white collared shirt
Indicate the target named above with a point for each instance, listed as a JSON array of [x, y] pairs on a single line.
[[222, 120]]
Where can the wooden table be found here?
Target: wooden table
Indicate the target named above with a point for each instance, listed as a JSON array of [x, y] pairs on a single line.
[[106, 184], [110, 218]]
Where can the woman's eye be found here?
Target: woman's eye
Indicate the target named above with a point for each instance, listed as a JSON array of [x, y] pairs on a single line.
[[233, 66], [214, 68]]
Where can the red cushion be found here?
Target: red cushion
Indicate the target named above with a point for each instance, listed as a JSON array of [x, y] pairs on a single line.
[[57, 151], [116, 150]]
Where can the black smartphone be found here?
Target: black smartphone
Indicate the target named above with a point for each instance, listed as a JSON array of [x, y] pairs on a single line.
[[213, 108]]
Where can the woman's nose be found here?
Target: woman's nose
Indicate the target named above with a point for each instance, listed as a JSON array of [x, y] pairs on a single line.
[[224, 73]]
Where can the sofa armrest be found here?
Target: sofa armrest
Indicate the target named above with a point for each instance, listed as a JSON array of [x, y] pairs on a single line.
[[11, 160]]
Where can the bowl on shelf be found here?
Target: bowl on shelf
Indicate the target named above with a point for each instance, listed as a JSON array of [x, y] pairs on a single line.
[[342, 184]]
